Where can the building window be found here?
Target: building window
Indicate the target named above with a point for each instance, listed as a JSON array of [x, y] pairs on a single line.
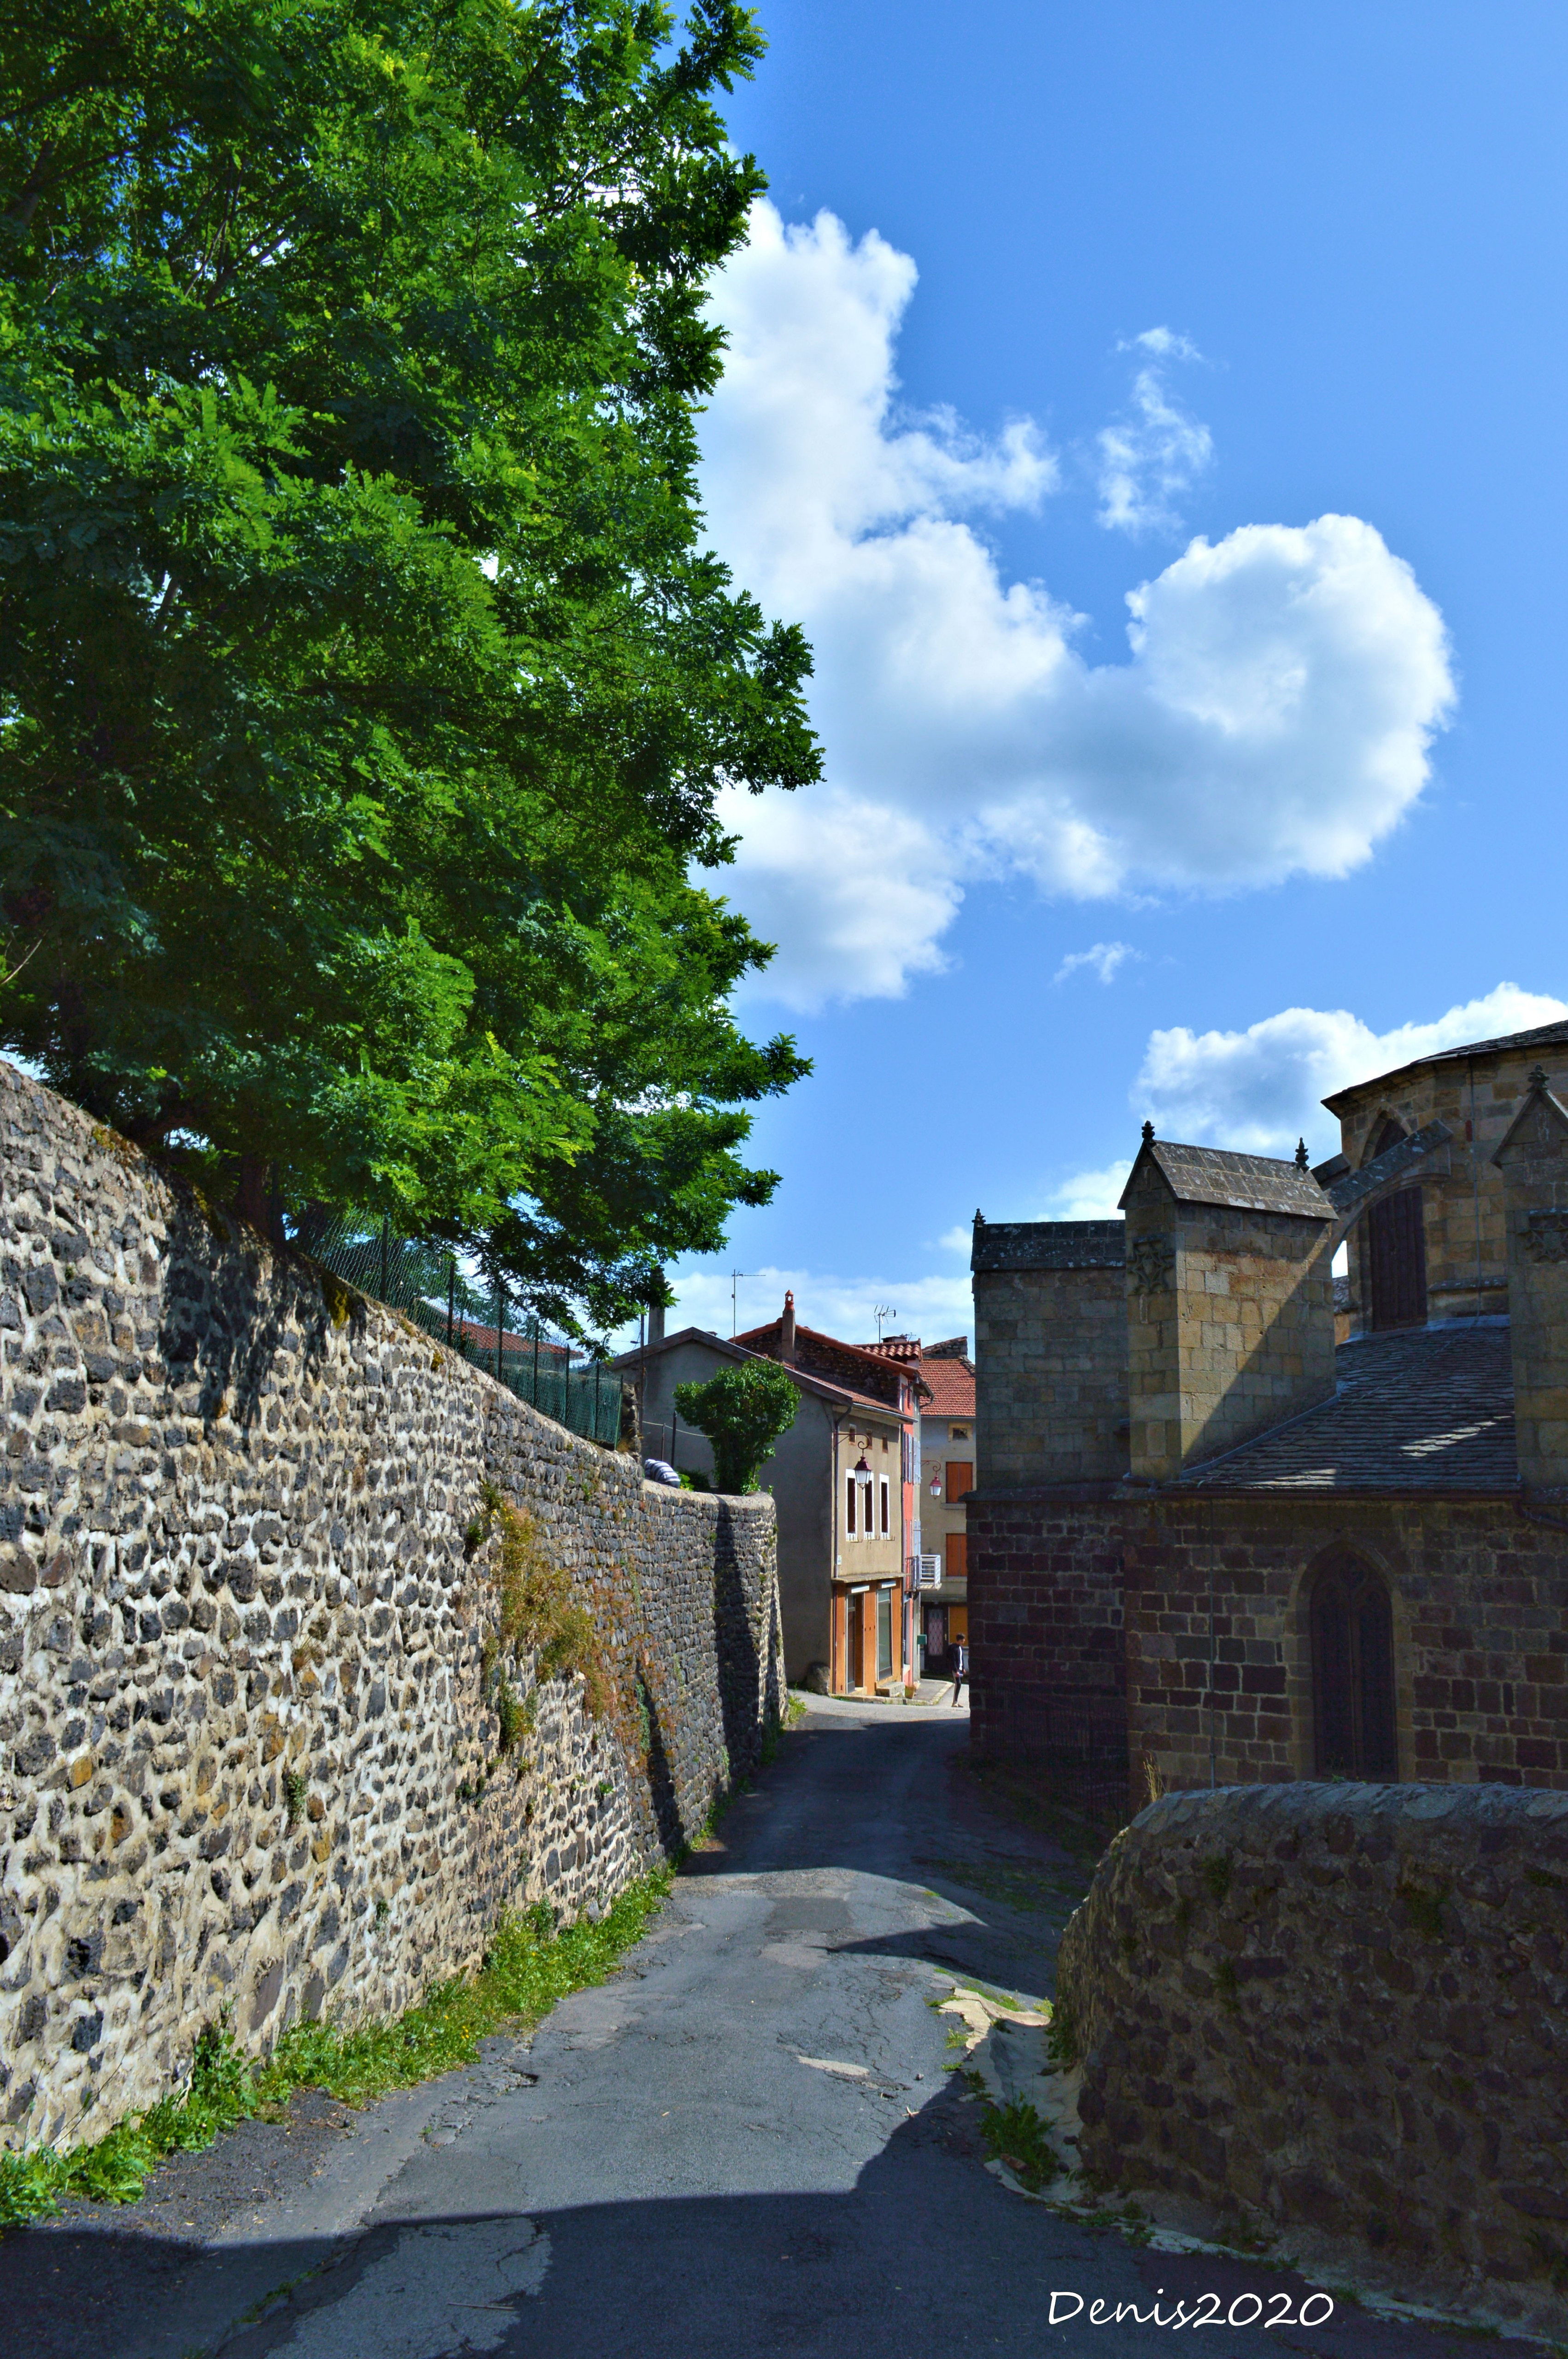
[[960, 1478], [887, 1508], [958, 1433], [849, 1489], [1352, 1673], [884, 1633]]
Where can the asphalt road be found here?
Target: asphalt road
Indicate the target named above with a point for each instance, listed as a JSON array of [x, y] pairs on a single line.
[[748, 2142]]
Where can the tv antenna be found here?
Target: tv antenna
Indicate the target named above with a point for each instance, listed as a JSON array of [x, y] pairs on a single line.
[[881, 1310], [735, 1277]]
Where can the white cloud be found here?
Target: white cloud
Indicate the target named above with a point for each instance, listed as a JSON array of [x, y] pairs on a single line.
[[1089, 1195], [1259, 1090], [1103, 957], [1274, 719], [1147, 459]]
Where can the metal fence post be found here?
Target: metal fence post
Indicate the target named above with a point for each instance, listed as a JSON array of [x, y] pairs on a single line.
[[498, 1326], [385, 1232], [451, 1295]]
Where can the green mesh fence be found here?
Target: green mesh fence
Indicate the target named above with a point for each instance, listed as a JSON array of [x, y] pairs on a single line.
[[428, 1284]]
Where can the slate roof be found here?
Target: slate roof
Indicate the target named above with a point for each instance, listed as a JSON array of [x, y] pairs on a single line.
[[1248, 1183], [1545, 1036], [1429, 1409], [1049, 1245]]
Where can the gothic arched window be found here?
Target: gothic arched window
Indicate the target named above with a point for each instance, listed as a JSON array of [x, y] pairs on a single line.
[[1352, 1672]]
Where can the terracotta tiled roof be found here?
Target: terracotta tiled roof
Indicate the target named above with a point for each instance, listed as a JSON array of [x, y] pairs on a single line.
[[868, 1374], [1431, 1409], [951, 1383]]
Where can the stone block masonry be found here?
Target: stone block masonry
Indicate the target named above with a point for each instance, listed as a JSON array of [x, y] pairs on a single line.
[[250, 1753], [1334, 2012]]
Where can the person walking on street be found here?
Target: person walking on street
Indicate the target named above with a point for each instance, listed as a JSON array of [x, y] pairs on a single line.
[[960, 1666]]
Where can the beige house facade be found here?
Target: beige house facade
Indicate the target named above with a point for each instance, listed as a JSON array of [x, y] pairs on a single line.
[[841, 1478]]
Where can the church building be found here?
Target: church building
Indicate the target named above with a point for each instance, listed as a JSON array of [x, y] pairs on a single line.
[[1211, 1544]]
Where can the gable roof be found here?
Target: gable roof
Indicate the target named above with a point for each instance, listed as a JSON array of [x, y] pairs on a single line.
[[870, 1376], [1430, 1409], [1543, 1035], [1246, 1183], [950, 1384], [733, 1348]]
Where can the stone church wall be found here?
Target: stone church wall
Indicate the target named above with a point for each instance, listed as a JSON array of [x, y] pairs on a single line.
[[1190, 1608], [251, 1752], [1336, 2011]]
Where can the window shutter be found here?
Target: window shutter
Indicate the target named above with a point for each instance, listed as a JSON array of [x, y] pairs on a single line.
[[958, 1564], [849, 1506], [960, 1478]]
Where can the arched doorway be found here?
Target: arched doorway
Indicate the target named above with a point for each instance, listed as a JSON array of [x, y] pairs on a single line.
[[1352, 1672]]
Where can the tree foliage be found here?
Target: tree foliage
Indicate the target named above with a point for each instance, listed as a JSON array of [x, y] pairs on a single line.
[[366, 687], [742, 1410]]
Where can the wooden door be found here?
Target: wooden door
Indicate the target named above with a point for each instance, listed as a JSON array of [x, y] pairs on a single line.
[[1396, 1242], [1353, 1673]]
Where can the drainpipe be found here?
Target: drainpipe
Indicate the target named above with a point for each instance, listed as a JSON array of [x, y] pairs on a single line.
[[833, 1555]]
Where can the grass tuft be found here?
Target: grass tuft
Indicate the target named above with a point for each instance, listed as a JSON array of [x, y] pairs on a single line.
[[527, 1969], [1016, 2135]]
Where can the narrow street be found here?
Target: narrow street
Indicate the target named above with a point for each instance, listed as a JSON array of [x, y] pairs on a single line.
[[748, 2141]]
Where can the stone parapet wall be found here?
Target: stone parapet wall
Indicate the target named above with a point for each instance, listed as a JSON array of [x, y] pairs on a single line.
[[250, 1757], [1338, 2008]]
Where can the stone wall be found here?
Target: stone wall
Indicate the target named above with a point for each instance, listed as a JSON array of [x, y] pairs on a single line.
[[1193, 1606], [1046, 1639], [250, 1757], [1219, 1650], [1339, 2009], [1230, 1323], [1049, 1352], [1462, 1197]]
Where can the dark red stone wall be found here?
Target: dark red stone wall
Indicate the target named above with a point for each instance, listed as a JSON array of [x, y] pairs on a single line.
[[1187, 1613]]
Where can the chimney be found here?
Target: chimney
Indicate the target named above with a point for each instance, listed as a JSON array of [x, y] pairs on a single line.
[[1533, 1159], [786, 1332], [656, 1320]]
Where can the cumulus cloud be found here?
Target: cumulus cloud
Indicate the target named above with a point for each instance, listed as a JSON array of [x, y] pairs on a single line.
[[1261, 1089], [1104, 958], [1089, 1195], [1272, 718], [1147, 459]]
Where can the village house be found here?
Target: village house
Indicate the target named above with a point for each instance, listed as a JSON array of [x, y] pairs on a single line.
[[842, 1480], [939, 1538], [1210, 1543]]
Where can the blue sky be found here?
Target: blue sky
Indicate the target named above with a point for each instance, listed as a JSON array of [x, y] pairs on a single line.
[[1254, 316]]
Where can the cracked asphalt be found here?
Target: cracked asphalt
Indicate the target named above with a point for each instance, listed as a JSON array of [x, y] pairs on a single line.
[[749, 2141]]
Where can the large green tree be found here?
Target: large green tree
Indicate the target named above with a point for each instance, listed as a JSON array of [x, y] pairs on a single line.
[[365, 688]]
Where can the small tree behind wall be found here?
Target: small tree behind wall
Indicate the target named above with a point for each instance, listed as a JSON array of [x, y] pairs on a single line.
[[742, 1411]]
